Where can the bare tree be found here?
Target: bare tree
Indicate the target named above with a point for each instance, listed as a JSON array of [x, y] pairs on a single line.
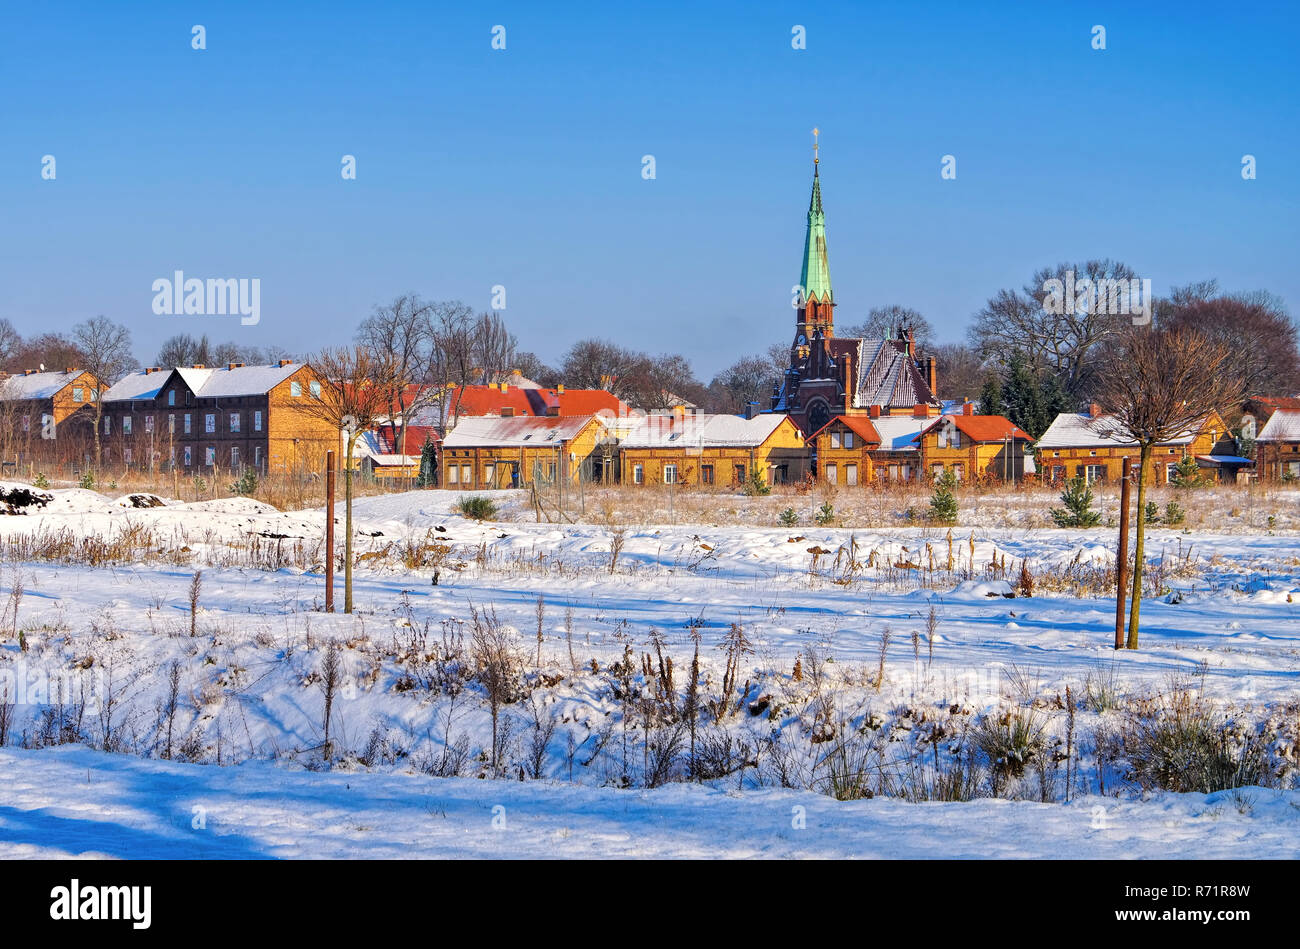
[[106, 351], [451, 358], [1159, 384], [1063, 344], [493, 348], [356, 391], [331, 676], [960, 370], [403, 329], [10, 343], [747, 380], [884, 322]]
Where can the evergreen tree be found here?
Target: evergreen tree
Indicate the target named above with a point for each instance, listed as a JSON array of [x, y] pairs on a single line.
[[1187, 473], [427, 477], [943, 503], [1078, 511], [991, 397]]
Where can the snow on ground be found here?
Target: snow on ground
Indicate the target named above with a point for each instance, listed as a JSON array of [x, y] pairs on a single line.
[[250, 679], [75, 802]]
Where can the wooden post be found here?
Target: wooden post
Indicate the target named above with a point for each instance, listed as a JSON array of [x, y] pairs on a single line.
[[1121, 559], [329, 532]]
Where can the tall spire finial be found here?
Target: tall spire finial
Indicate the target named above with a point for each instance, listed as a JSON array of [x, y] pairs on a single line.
[[816, 132]]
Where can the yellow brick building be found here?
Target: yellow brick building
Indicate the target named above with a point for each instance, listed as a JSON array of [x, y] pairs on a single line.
[[491, 452], [1087, 444], [708, 450]]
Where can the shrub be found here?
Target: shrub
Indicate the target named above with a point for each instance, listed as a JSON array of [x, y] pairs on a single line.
[[477, 508], [40, 481], [789, 518], [87, 481], [1187, 474], [1179, 743], [1010, 741], [1078, 511], [943, 503], [246, 484], [1174, 513], [1152, 513], [825, 514], [756, 485]]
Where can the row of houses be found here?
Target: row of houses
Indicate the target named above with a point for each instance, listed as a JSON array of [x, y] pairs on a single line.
[[501, 435]]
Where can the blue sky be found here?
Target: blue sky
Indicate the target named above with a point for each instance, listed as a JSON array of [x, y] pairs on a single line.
[[522, 167]]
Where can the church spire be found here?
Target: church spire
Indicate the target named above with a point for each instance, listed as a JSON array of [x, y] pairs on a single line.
[[816, 275]]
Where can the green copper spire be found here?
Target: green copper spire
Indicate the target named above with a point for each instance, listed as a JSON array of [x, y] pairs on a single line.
[[816, 276]]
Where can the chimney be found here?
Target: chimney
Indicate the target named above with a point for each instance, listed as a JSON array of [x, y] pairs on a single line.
[[70, 370], [283, 363], [968, 408], [198, 365], [932, 374], [874, 411], [559, 389], [507, 411], [29, 372], [1094, 410], [751, 409], [234, 365], [920, 410], [553, 411], [911, 344]]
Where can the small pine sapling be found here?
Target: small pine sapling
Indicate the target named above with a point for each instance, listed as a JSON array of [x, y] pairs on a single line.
[[1078, 510]]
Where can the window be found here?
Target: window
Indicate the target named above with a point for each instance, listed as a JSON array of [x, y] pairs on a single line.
[[706, 474], [27, 423], [1170, 472], [171, 396], [1093, 473], [108, 425], [187, 423], [739, 473], [148, 423], [171, 425], [835, 440], [848, 439], [210, 423], [850, 474], [832, 474], [315, 389], [670, 474], [638, 473], [189, 457], [210, 456], [453, 474], [126, 455], [466, 475], [257, 456], [936, 471], [257, 420], [1058, 472], [957, 472], [234, 457], [295, 388], [234, 421], [78, 394], [1092, 454], [489, 470], [126, 425]]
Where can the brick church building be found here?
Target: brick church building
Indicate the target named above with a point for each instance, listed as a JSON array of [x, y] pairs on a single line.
[[831, 376]]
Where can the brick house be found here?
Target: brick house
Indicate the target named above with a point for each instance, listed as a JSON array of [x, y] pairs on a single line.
[[974, 446], [874, 449], [709, 450], [505, 452], [238, 417], [46, 413], [1277, 446], [1088, 444]]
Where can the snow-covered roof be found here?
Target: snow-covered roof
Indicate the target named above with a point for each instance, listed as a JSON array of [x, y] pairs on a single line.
[[141, 384], [526, 431], [900, 432], [241, 380], [36, 385], [1071, 430], [1282, 426], [700, 431]]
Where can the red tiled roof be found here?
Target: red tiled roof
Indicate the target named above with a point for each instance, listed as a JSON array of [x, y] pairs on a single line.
[[415, 436], [490, 400], [984, 428], [855, 423]]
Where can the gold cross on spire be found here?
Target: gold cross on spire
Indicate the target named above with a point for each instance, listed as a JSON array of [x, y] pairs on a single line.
[[815, 146]]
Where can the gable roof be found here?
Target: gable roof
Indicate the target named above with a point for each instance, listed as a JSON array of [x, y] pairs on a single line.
[[859, 424], [140, 384], [982, 428], [523, 400], [900, 432], [701, 431], [526, 431], [37, 385], [885, 374], [1282, 426], [1079, 430]]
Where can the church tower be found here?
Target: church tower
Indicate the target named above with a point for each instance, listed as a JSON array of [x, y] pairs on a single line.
[[817, 302]]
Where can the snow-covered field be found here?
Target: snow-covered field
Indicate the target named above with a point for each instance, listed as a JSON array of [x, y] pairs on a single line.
[[95, 614]]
